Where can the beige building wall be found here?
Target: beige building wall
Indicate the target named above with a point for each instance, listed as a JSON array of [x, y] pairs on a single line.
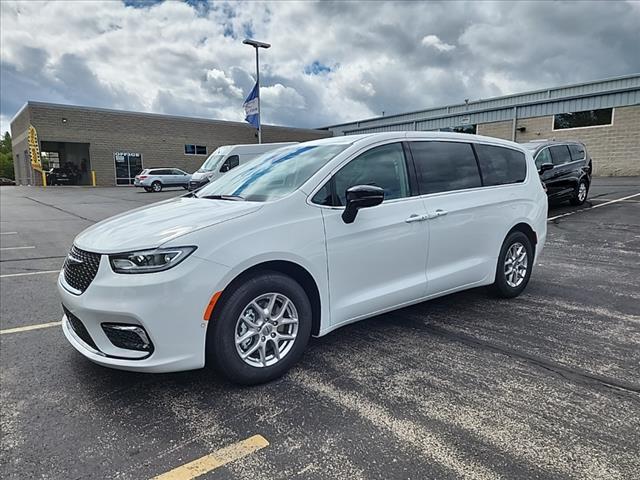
[[159, 139], [496, 129], [615, 149]]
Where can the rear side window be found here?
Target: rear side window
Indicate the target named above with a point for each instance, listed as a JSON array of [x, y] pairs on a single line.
[[560, 154], [500, 166], [577, 152], [445, 166]]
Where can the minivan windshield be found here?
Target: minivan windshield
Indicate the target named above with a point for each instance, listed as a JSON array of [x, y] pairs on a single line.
[[272, 175]]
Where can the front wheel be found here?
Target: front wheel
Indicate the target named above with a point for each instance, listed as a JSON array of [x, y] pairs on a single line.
[[580, 194], [261, 330], [514, 266]]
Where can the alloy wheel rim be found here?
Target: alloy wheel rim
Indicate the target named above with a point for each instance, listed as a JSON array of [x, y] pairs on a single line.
[[156, 187], [515, 265], [582, 192], [266, 330]]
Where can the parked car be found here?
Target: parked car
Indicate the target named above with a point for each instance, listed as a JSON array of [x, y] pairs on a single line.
[[228, 157], [318, 235], [564, 167], [65, 175], [6, 181], [155, 179]]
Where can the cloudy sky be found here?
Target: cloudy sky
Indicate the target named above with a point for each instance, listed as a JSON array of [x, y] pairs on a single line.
[[330, 62]]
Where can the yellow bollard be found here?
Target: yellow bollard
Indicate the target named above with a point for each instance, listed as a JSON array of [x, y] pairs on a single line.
[[93, 178], [44, 179]]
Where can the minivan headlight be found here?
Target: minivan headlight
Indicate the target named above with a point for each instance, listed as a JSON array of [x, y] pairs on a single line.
[[148, 261]]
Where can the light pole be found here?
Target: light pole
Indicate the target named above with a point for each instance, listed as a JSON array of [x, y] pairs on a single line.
[[257, 45]]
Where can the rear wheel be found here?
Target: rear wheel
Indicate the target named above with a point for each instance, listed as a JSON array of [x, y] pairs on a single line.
[[156, 186], [261, 330], [580, 195], [514, 265]]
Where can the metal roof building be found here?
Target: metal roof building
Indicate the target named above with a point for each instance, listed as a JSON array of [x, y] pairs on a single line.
[[533, 115]]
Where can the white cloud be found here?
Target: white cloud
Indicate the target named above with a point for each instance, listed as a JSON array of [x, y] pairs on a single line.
[[330, 62], [435, 42]]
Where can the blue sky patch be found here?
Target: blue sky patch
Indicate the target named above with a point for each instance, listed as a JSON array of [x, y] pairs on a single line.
[[141, 3], [316, 68]]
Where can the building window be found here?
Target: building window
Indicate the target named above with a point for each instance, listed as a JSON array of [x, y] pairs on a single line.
[[588, 118], [195, 149], [460, 129]]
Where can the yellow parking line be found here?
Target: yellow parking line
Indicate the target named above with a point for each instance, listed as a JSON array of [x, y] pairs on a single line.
[[29, 327], [216, 459]]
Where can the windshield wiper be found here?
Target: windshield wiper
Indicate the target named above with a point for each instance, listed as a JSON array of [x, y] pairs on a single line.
[[235, 198]]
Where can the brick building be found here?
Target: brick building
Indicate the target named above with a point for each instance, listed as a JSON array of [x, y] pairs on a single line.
[[604, 114], [106, 140]]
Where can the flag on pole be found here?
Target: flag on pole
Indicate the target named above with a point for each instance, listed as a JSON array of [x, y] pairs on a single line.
[[251, 108]]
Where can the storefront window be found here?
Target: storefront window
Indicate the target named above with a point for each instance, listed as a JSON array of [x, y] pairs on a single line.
[[127, 166]]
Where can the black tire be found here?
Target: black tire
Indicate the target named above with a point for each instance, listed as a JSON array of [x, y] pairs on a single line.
[[580, 195], [221, 347], [148, 189], [501, 287], [156, 186], [186, 187]]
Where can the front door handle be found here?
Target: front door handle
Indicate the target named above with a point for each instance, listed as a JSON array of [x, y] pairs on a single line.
[[416, 218], [437, 213]]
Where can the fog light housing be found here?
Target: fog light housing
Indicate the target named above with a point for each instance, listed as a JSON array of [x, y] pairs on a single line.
[[129, 337]]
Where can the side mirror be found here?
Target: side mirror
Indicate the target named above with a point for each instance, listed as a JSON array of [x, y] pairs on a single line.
[[361, 196], [544, 167]]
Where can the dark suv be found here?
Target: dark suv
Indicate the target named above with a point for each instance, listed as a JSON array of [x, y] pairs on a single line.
[[565, 169]]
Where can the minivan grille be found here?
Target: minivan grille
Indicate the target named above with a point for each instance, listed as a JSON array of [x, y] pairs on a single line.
[[80, 268]]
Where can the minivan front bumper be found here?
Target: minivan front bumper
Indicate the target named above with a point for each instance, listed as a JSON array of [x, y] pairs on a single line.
[[167, 307]]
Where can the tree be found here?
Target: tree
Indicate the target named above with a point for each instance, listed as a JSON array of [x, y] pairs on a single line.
[[6, 157]]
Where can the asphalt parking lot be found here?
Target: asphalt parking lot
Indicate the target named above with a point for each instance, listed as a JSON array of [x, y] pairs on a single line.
[[543, 386]]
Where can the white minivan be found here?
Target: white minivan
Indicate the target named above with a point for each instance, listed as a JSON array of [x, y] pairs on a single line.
[[299, 242], [228, 157]]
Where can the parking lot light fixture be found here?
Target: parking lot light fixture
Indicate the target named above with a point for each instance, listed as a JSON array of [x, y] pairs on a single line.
[[257, 45]]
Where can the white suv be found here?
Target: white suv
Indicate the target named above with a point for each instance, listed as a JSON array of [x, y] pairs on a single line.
[[299, 242], [155, 179]]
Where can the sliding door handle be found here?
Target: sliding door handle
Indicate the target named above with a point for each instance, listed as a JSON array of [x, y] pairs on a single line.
[[416, 218], [437, 213]]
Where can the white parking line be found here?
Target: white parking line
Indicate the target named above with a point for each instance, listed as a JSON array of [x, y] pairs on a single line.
[[26, 274], [29, 327], [595, 206], [15, 248], [8, 233]]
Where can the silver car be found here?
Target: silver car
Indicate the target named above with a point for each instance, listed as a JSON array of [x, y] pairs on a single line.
[[155, 179]]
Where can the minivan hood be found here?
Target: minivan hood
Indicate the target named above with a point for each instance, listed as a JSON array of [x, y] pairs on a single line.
[[151, 226]]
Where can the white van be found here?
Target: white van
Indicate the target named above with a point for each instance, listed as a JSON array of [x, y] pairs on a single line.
[[227, 157]]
